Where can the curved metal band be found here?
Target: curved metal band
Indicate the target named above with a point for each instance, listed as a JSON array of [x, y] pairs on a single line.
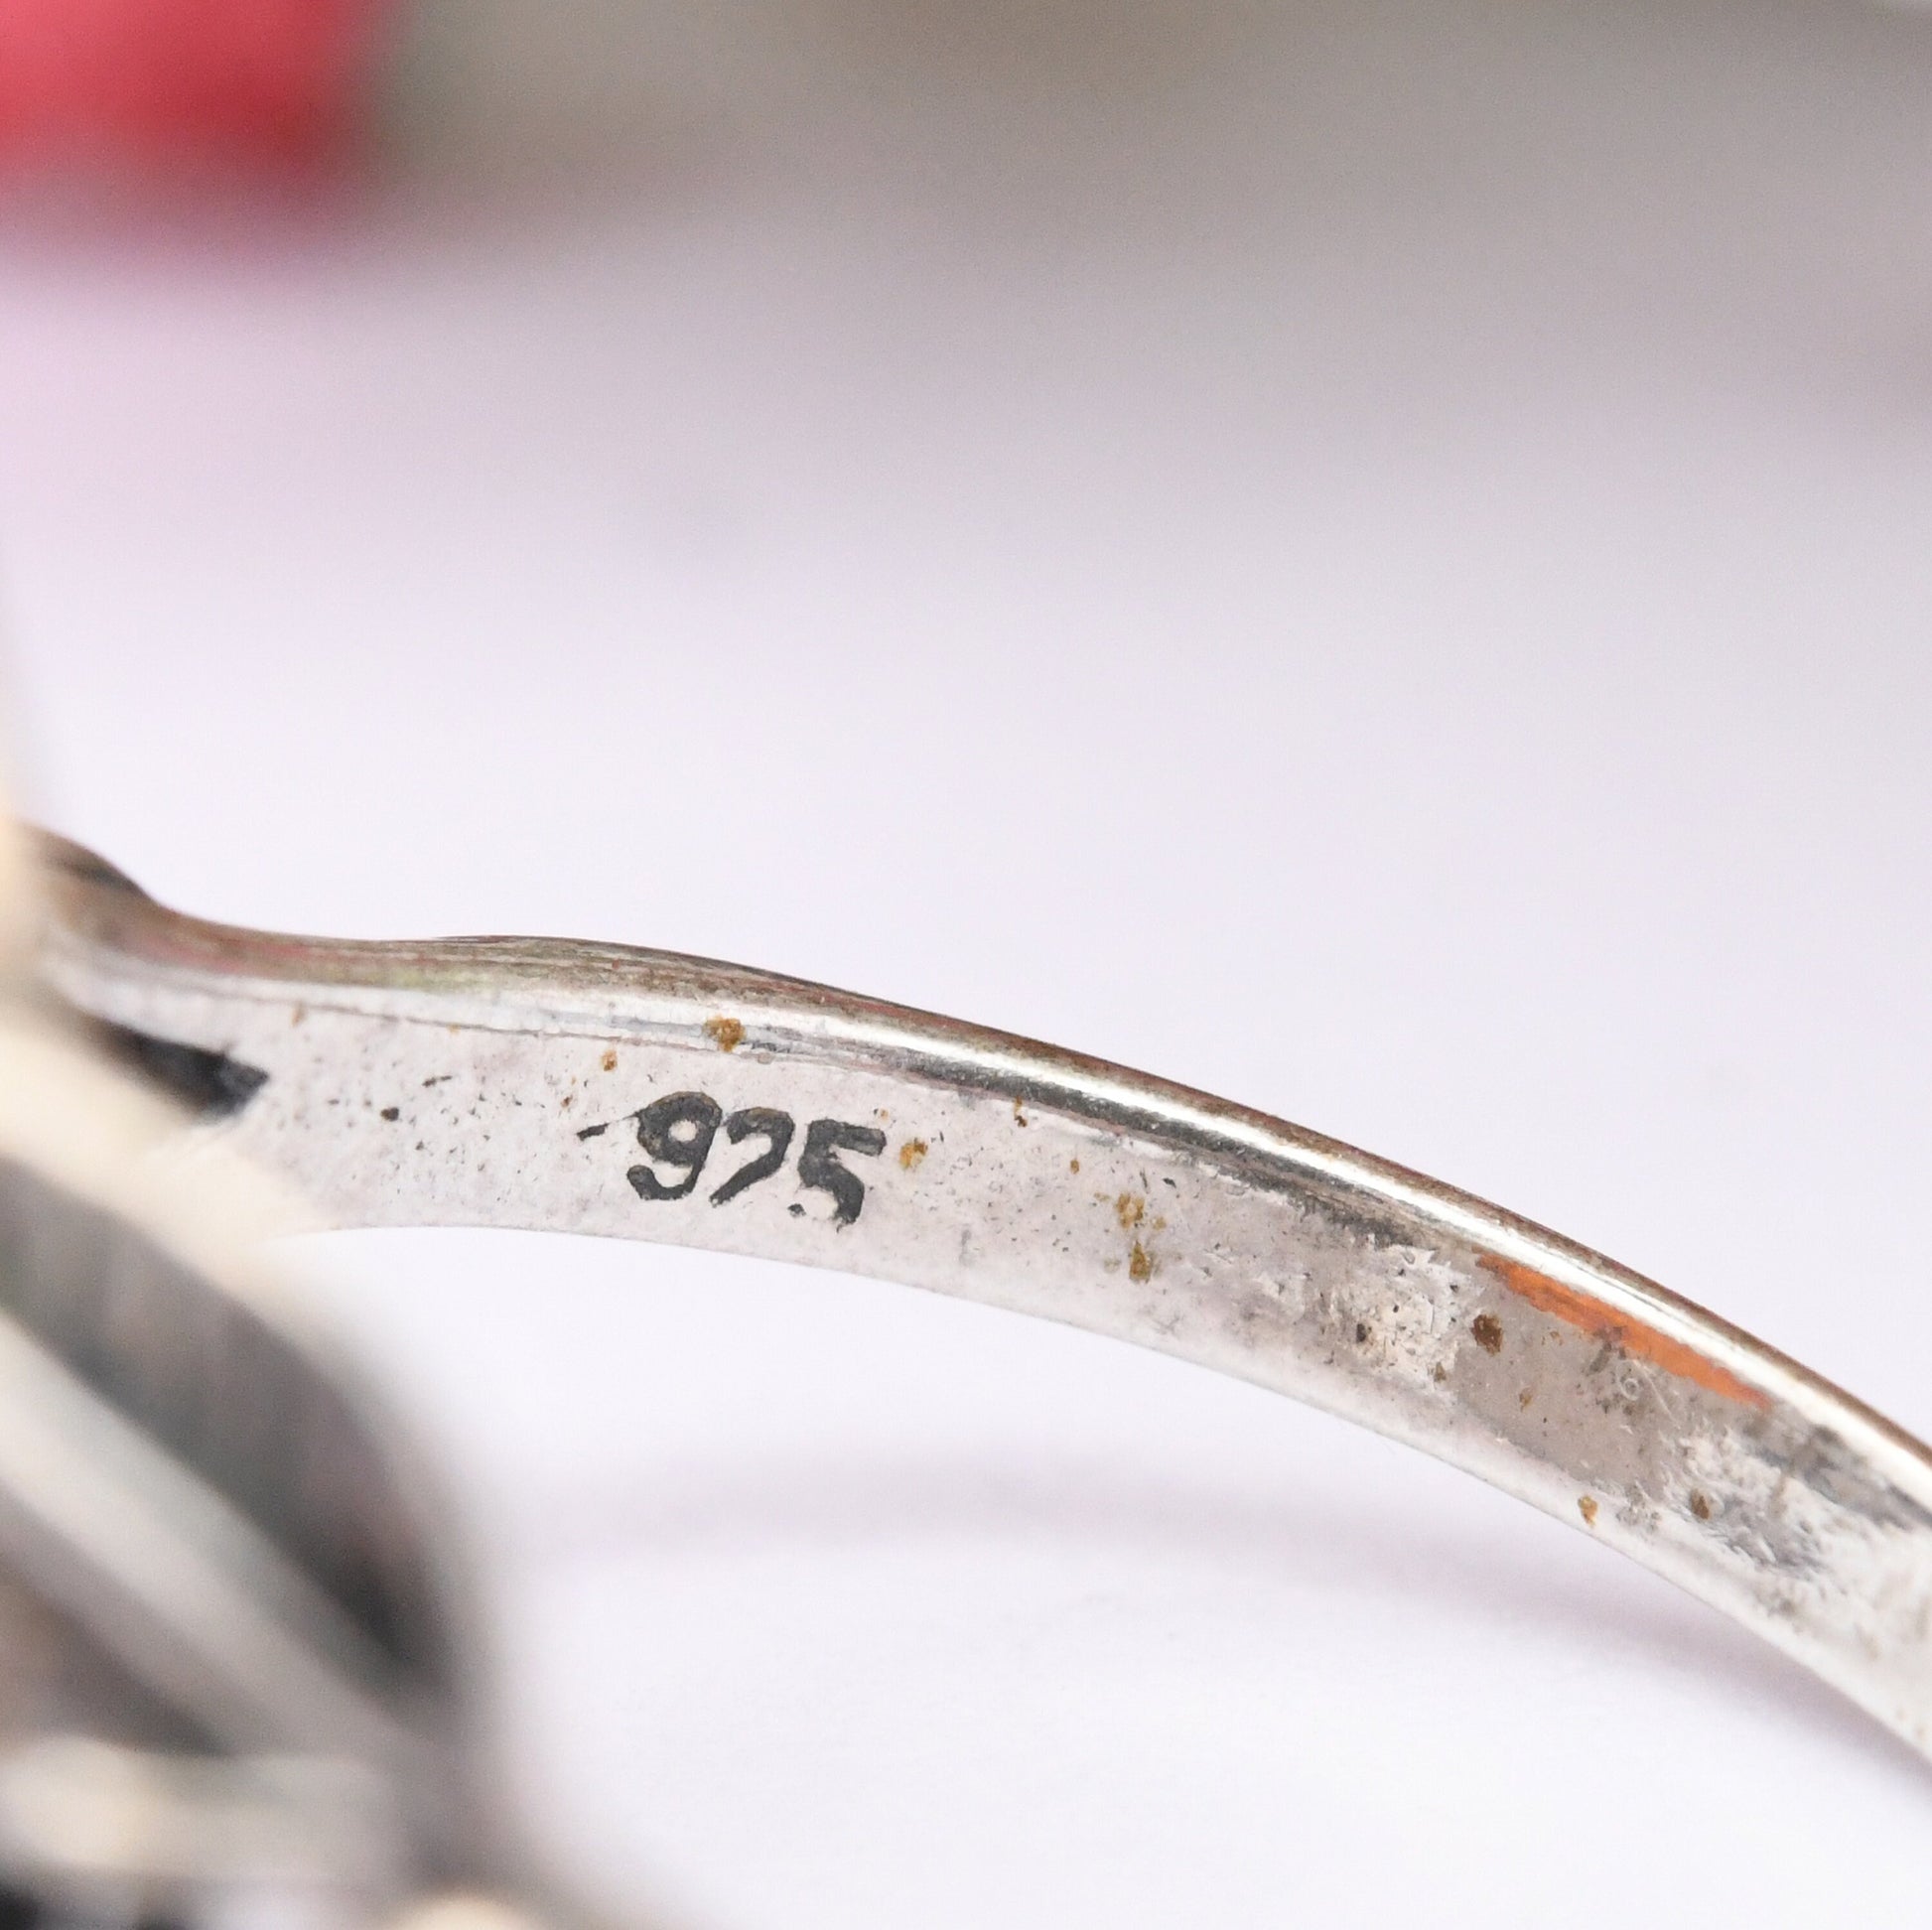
[[592, 1089]]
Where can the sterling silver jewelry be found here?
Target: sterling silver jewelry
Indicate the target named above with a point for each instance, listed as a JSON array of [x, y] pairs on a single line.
[[597, 1089]]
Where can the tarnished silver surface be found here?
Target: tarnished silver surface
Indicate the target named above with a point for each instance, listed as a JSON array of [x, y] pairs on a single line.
[[237, 1676], [228, 1679], [532, 1084]]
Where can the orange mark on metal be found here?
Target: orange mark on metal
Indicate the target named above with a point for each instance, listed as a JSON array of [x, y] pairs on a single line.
[[727, 1034], [1640, 1342]]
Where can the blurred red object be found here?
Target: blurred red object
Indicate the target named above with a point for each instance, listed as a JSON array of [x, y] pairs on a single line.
[[154, 82]]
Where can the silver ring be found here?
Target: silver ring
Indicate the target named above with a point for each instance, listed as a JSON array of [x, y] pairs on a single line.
[[598, 1089]]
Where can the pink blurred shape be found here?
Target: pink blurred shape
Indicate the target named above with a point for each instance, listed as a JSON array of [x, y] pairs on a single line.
[[151, 84]]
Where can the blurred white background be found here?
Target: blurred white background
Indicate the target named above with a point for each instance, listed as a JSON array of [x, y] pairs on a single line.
[[1373, 559]]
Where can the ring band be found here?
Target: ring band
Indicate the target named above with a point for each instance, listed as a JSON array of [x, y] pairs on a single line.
[[597, 1089]]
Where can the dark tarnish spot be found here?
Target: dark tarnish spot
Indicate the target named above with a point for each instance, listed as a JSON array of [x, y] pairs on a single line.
[[1361, 1333], [1632, 1337], [1487, 1332], [210, 1083], [78, 861], [1700, 1504], [727, 1034], [392, 1112], [593, 1132]]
